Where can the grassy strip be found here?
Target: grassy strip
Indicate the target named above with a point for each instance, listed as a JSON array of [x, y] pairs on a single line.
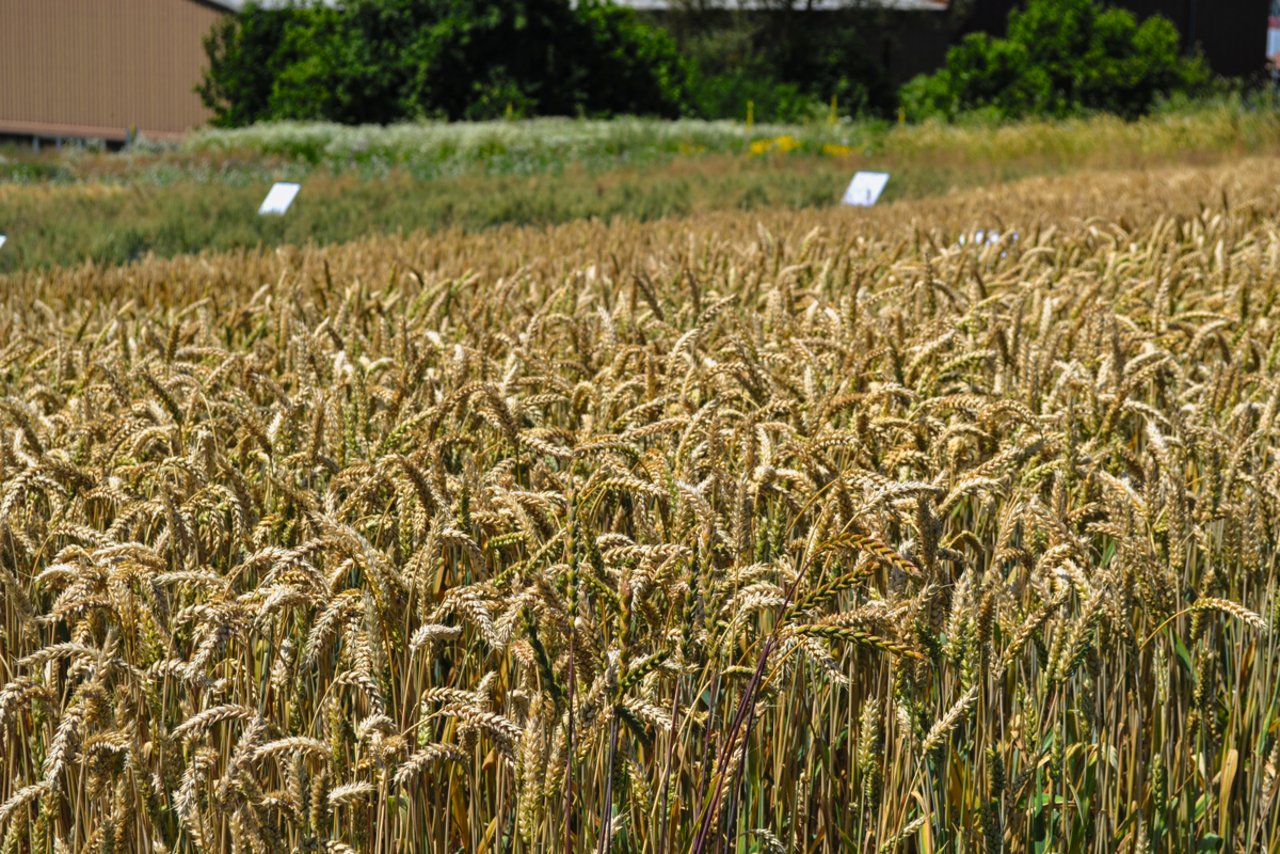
[[432, 150], [111, 223], [545, 144], [63, 209]]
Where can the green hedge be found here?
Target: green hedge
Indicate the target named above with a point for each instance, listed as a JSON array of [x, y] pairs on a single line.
[[386, 61], [381, 61]]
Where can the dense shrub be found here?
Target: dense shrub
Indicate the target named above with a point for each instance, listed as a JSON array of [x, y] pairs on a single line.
[[727, 94], [1061, 57], [380, 61], [788, 64], [247, 55]]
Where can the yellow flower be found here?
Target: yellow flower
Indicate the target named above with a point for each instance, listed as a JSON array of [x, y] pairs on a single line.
[[786, 143], [833, 150]]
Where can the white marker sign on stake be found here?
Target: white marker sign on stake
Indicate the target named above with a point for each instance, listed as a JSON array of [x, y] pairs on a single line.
[[988, 238], [983, 238], [279, 199], [865, 189]]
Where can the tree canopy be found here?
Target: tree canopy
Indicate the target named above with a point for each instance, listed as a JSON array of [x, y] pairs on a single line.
[[381, 61], [1061, 57]]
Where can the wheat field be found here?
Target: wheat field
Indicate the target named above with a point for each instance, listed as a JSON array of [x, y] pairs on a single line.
[[817, 531]]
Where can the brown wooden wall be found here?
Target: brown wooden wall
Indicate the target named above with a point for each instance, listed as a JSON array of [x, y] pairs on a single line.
[[97, 67]]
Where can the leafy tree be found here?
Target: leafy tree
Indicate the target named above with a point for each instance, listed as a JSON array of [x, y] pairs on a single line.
[[247, 53], [623, 48], [380, 61], [1061, 57]]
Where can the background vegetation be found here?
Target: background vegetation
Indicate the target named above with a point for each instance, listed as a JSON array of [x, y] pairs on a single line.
[[1061, 58], [78, 205], [788, 64], [382, 61]]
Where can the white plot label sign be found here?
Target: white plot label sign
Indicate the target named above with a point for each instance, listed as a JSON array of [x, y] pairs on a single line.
[[983, 237], [865, 189], [2, 240], [279, 199]]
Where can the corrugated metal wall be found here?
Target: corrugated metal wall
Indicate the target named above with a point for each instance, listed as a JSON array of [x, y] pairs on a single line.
[[97, 67]]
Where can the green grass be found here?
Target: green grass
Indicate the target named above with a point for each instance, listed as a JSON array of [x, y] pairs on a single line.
[[63, 208], [118, 223]]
